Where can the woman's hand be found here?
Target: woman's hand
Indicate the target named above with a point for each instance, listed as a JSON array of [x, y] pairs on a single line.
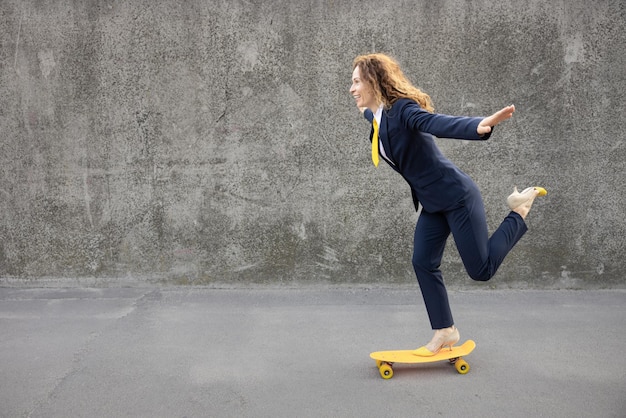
[[485, 125]]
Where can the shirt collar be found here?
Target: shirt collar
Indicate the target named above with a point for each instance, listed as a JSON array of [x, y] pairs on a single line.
[[379, 114]]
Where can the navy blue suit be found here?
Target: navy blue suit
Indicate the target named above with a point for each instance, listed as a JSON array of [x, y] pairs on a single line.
[[450, 200]]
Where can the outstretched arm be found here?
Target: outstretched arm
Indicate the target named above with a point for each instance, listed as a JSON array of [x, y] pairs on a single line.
[[484, 127], [440, 125]]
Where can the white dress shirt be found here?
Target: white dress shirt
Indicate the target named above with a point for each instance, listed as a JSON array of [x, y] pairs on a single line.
[[378, 116]]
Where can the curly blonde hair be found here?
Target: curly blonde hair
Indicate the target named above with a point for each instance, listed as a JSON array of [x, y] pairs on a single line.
[[388, 82]]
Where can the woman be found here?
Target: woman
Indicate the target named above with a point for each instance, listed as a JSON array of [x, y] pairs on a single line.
[[403, 125]]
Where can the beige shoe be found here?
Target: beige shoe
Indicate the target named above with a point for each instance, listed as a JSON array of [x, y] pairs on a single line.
[[517, 199], [445, 341]]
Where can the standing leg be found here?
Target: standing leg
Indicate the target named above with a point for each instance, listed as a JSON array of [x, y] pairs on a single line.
[[431, 233]]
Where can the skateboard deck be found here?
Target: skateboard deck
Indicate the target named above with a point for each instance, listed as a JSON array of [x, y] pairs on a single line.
[[386, 359]]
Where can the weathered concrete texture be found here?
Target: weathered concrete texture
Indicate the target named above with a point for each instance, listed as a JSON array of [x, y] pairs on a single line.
[[204, 141]]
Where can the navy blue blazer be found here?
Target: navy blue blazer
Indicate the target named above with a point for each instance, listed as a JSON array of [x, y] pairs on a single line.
[[406, 132]]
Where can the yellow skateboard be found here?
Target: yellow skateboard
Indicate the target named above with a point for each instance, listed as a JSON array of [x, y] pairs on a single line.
[[386, 359]]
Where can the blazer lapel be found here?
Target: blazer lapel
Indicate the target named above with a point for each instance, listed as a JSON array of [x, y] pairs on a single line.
[[370, 117], [382, 134]]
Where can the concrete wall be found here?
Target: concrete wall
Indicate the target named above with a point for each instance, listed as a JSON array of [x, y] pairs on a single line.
[[214, 141]]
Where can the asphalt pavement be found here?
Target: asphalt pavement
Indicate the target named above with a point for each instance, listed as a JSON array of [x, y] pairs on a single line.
[[304, 352]]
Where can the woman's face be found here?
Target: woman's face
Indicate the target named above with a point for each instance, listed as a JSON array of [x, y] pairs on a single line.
[[362, 92]]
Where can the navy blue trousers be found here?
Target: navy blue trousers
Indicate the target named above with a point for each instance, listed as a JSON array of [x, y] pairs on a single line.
[[481, 254]]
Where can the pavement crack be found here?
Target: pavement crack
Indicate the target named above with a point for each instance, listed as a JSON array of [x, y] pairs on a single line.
[[77, 364]]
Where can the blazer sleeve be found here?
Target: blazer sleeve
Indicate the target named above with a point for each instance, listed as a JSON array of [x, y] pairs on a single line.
[[443, 126]]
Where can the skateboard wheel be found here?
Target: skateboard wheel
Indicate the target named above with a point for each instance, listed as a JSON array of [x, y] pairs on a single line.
[[379, 363], [386, 372], [462, 367]]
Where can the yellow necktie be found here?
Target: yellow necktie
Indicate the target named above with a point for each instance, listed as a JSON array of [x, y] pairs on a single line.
[[375, 143]]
